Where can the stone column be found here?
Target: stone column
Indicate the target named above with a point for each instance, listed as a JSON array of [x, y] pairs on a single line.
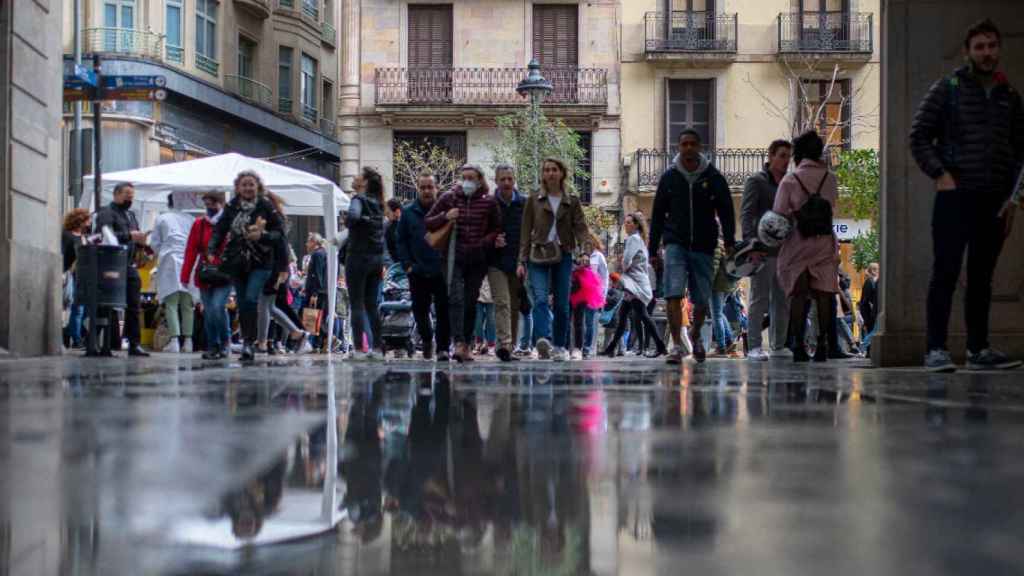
[[31, 68], [349, 96], [921, 42]]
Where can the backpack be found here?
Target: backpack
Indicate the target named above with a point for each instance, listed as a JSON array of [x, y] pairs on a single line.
[[814, 218]]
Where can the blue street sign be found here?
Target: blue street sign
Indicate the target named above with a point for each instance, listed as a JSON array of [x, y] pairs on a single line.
[[150, 82], [78, 76]]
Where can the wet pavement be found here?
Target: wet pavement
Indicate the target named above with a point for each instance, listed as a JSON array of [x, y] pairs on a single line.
[[298, 466]]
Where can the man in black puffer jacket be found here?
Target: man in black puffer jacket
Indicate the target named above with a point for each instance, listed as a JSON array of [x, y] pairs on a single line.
[[968, 135], [692, 198]]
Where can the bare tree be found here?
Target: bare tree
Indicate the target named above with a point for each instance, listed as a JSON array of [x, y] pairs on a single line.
[[414, 158], [804, 111]]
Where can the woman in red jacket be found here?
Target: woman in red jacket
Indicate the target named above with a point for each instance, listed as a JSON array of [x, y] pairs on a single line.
[[214, 298]]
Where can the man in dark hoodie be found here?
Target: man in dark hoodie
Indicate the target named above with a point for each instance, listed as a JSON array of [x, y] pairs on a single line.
[[505, 284], [766, 293], [691, 195], [968, 136]]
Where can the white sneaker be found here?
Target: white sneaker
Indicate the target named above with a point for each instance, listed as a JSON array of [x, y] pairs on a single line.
[[172, 347], [187, 348], [757, 355], [543, 349], [576, 355], [560, 355], [306, 346]]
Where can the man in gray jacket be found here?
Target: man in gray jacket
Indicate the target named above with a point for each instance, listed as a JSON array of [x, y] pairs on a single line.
[[766, 294]]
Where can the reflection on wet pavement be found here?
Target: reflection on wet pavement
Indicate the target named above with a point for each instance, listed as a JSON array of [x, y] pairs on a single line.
[[299, 467]]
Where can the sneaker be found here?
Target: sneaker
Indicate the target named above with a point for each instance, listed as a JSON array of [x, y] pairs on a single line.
[[757, 355], [698, 351], [504, 355], [248, 354], [522, 353], [305, 348], [210, 355], [187, 347], [576, 355], [675, 356], [989, 359], [376, 356], [443, 356], [585, 354], [939, 361], [559, 355], [172, 346], [544, 349]]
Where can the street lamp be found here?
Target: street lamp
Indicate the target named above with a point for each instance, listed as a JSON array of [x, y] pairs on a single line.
[[536, 87]]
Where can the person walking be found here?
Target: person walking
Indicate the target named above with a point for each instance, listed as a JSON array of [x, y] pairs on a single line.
[[501, 273], [249, 230], [123, 223], [212, 296], [423, 265], [809, 257], [477, 219], [553, 226], [364, 262], [484, 332], [968, 136], [169, 240], [692, 198], [392, 215], [766, 294], [637, 285], [77, 223], [316, 282], [721, 287], [587, 297], [868, 306]]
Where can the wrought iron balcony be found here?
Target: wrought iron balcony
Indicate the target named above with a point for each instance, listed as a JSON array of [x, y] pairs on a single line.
[[486, 86], [207, 64], [127, 41], [736, 164], [175, 54], [826, 33], [284, 105], [328, 34], [690, 32], [249, 89], [328, 128]]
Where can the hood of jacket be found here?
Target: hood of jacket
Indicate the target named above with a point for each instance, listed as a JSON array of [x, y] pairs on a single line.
[[691, 177]]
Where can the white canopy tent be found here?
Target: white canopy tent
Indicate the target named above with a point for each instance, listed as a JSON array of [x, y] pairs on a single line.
[[304, 194]]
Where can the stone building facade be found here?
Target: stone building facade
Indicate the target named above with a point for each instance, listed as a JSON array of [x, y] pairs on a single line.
[[445, 71]]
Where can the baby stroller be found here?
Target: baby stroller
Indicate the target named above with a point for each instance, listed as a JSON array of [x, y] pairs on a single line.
[[397, 325]]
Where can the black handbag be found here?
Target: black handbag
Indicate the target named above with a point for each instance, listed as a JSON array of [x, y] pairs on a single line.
[[212, 275]]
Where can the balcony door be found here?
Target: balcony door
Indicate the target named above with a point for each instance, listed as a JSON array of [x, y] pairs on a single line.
[[430, 53], [689, 104], [824, 24], [556, 48], [690, 24], [119, 21]]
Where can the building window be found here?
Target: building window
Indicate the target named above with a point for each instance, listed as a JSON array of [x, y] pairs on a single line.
[[206, 35], [311, 9], [119, 21], [689, 104], [833, 124], [309, 89], [556, 47], [246, 57], [284, 79], [454, 143], [174, 12]]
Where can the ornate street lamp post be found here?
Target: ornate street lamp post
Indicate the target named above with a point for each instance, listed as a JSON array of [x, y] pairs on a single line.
[[536, 87]]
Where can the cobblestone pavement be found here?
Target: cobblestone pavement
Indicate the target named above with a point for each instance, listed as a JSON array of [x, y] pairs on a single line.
[[301, 466]]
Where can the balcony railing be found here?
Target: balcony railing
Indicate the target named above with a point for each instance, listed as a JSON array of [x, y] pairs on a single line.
[[124, 41], [249, 89], [486, 86], [207, 64], [328, 34], [826, 32], [736, 164], [286, 4], [328, 128], [175, 54], [284, 105], [690, 32], [311, 9], [309, 113]]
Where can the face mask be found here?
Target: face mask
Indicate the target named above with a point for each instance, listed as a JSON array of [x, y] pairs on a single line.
[[211, 212], [468, 187]]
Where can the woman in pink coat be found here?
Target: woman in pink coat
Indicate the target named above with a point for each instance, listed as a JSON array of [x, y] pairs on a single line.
[[807, 265]]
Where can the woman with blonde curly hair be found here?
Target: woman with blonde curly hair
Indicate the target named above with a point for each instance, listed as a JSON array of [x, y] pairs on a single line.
[[250, 228]]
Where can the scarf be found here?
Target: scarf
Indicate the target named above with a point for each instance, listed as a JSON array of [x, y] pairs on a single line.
[[240, 225]]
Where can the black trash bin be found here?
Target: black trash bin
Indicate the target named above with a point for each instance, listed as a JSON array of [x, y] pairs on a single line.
[[103, 281]]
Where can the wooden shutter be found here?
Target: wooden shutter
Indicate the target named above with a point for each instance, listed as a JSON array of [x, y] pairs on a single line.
[[430, 36], [556, 48]]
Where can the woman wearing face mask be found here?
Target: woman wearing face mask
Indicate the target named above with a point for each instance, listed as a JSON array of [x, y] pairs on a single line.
[[252, 227], [477, 224], [364, 261], [214, 298], [553, 226]]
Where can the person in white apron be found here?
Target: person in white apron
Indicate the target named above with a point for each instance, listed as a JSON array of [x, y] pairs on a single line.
[[168, 240]]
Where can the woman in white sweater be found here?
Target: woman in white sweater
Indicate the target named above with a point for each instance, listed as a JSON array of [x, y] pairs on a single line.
[[637, 286]]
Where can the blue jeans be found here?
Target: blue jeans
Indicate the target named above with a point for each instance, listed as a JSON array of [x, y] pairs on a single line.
[[545, 280], [75, 320], [485, 328], [525, 331], [216, 324], [247, 291], [589, 329], [721, 331]]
